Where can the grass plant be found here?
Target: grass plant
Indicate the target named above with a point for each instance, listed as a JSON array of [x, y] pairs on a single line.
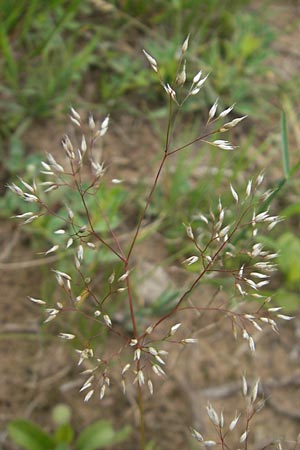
[[212, 250]]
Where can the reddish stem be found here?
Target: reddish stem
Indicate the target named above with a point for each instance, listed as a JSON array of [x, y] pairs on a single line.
[[200, 276]]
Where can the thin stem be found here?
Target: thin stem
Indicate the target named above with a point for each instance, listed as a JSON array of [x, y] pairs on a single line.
[[126, 264], [114, 236], [142, 417], [166, 154], [247, 430], [91, 224], [82, 193], [204, 271], [130, 299], [199, 138], [191, 288], [146, 205], [169, 126], [223, 444]]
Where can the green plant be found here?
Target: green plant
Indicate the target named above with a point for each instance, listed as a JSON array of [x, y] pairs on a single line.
[[95, 436], [214, 249]]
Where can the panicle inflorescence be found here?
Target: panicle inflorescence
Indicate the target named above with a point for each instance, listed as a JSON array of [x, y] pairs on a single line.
[[215, 237], [239, 424]]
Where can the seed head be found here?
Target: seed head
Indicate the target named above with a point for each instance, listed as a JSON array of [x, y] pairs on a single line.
[[152, 61], [75, 114], [212, 414], [234, 193], [52, 249], [197, 435], [234, 422], [107, 320], [191, 260], [248, 189], [189, 232], [104, 126], [284, 317], [254, 391], [181, 77], [75, 121], [83, 145], [197, 77], [150, 386], [244, 386], [67, 336], [243, 437], [174, 328], [212, 111], [139, 378], [232, 124], [30, 188], [158, 370], [30, 198], [137, 354], [89, 395], [125, 368], [209, 443], [37, 300], [102, 391], [185, 45], [226, 111], [223, 145], [92, 124]]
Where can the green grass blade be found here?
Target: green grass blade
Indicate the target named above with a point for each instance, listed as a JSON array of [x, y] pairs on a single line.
[[265, 205], [10, 14], [28, 19], [285, 162], [11, 70], [285, 146], [68, 15], [295, 168], [30, 436]]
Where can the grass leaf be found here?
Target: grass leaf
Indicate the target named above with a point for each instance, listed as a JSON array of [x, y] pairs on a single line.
[[99, 435], [285, 146], [30, 436]]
